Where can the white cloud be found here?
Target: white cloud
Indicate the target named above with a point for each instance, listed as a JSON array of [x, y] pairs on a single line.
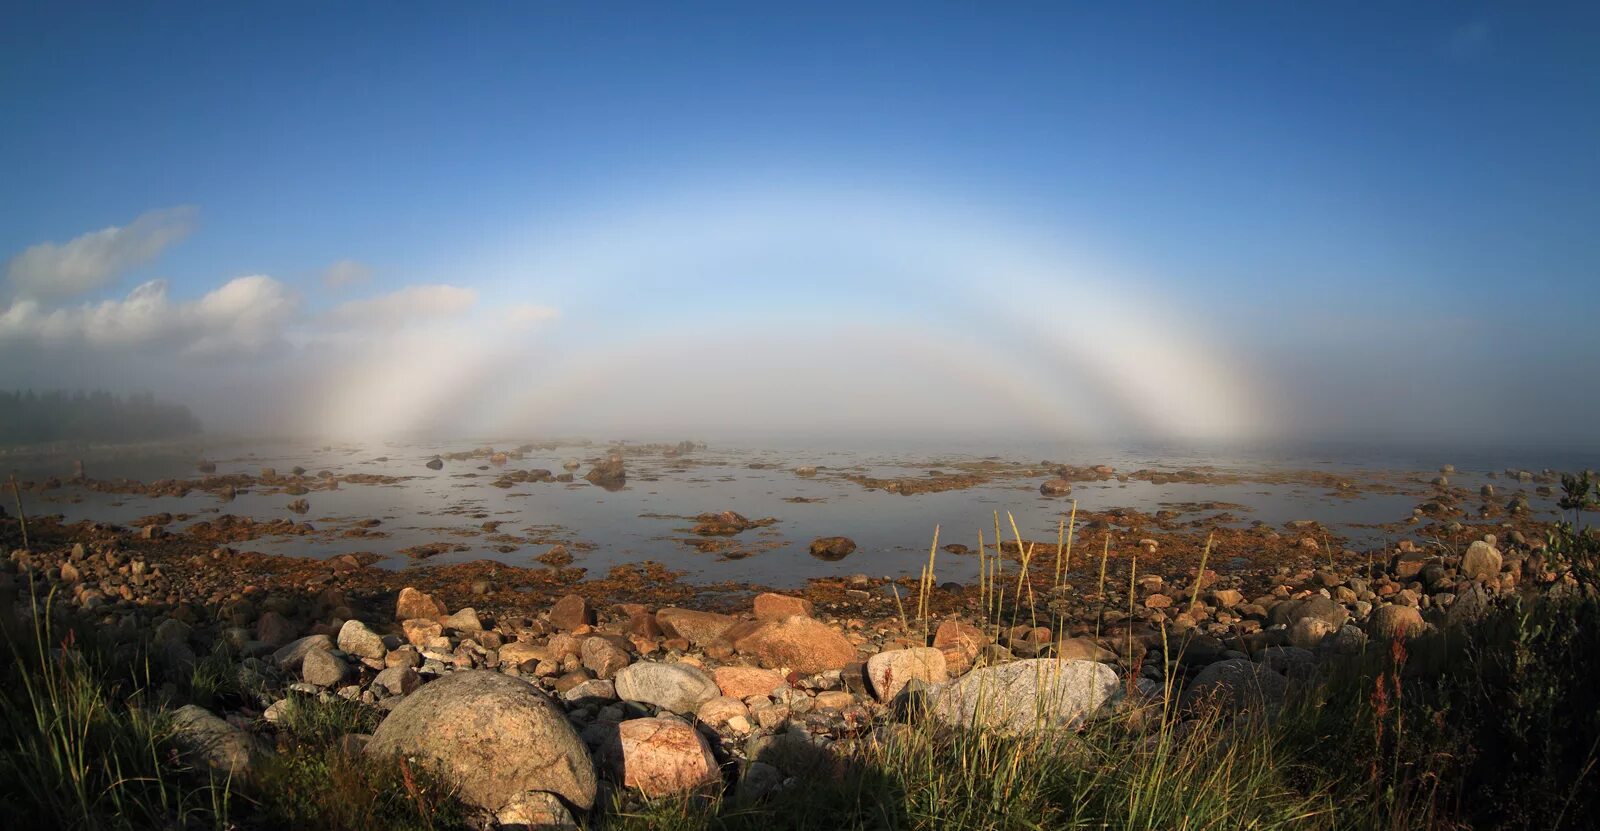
[[346, 273], [246, 314], [95, 259], [528, 314], [410, 304]]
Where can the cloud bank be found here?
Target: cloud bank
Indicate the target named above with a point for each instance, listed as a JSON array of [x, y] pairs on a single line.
[[48, 270]]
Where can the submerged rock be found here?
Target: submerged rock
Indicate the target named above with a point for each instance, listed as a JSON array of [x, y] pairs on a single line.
[[832, 548], [609, 474]]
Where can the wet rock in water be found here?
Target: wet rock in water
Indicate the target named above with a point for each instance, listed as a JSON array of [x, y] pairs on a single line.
[[832, 548], [662, 756], [557, 557], [1237, 684], [726, 523], [609, 474], [698, 628], [493, 736], [214, 743], [891, 671], [678, 688], [805, 470], [299, 506], [1482, 561], [1023, 696], [772, 606], [356, 639], [1055, 487], [801, 644], [435, 463], [413, 604], [1390, 622], [571, 464], [570, 612], [206, 467]]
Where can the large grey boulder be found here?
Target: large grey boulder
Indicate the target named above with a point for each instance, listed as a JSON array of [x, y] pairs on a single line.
[[1022, 696], [1238, 684], [356, 639], [291, 656], [679, 688], [208, 740], [325, 669], [495, 737]]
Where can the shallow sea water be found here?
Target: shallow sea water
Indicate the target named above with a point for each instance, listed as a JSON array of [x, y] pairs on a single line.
[[648, 519]]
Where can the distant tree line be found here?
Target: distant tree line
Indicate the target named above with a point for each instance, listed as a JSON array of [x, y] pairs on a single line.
[[27, 417]]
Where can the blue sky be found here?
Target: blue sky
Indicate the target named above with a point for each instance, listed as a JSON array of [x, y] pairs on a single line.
[[1275, 169]]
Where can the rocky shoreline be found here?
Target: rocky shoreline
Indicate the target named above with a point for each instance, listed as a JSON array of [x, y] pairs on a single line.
[[541, 697]]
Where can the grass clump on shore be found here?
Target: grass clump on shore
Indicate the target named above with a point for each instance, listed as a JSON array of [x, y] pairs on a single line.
[[73, 753]]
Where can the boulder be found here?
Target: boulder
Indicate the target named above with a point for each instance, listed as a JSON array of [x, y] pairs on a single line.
[[698, 628], [1083, 649], [465, 620], [770, 606], [743, 682], [802, 644], [570, 612], [1481, 562], [398, 681], [414, 604], [1315, 606], [890, 672], [356, 639], [535, 811], [832, 548], [493, 736], [292, 656], [721, 710], [1055, 487], [1390, 622], [663, 756], [518, 653], [275, 630], [1237, 684], [678, 688], [609, 474], [208, 740], [602, 656], [1290, 661], [419, 631], [1308, 632], [1023, 696], [325, 669]]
